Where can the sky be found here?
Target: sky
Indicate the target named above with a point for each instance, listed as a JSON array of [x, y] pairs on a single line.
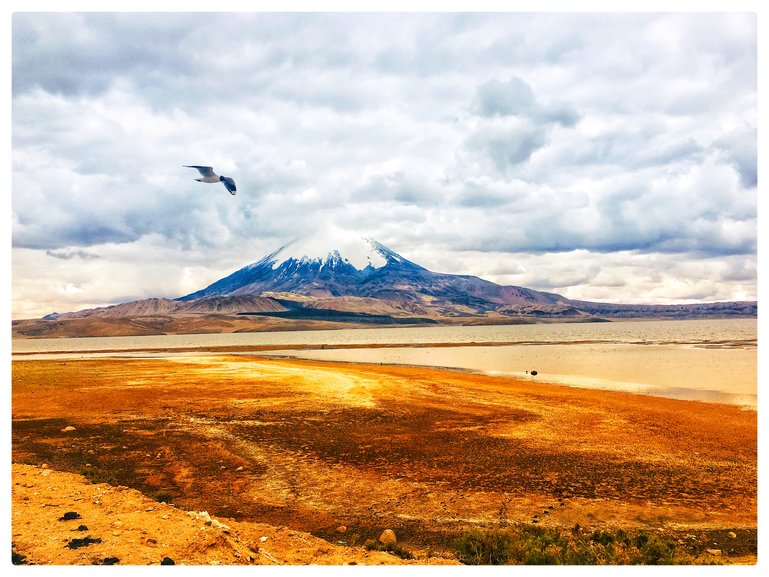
[[603, 156]]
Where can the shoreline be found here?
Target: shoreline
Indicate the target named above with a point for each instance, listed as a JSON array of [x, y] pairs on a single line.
[[420, 354], [554, 380], [706, 343]]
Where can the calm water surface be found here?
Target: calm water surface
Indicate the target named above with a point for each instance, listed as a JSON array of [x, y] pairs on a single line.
[[713, 360]]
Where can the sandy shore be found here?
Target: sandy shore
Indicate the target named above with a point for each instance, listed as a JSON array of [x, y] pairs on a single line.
[[430, 453]]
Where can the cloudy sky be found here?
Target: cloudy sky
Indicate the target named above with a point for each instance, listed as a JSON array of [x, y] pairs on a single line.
[[602, 156]]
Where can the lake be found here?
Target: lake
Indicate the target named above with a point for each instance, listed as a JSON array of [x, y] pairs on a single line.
[[705, 360]]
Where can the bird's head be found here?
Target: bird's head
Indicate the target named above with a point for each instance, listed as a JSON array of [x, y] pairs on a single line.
[[221, 179]]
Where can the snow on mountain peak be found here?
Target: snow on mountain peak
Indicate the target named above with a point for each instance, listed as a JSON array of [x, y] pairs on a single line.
[[332, 245]]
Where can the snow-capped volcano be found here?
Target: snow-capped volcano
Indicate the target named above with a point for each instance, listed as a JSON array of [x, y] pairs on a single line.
[[360, 253], [334, 265], [326, 264]]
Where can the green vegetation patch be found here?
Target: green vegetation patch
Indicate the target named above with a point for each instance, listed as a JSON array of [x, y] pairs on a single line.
[[394, 548], [536, 545]]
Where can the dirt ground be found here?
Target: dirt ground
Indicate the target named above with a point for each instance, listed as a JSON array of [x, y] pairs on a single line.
[[308, 447]]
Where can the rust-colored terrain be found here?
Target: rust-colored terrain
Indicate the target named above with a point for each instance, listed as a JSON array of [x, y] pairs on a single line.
[[428, 453]]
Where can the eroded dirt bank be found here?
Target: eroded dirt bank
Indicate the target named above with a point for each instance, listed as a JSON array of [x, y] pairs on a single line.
[[429, 453]]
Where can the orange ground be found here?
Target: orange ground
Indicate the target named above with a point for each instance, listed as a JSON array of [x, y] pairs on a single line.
[[428, 453]]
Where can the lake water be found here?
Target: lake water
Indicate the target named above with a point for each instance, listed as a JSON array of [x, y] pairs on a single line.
[[712, 360]]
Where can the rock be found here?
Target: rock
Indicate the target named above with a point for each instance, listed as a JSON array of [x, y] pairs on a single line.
[[68, 428], [239, 468], [203, 515], [69, 515], [534, 373], [714, 552], [84, 542], [219, 525], [167, 561], [341, 529], [263, 538], [110, 561], [732, 535], [82, 528], [388, 537]]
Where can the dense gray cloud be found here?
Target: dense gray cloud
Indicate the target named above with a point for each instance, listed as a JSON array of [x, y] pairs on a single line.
[[626, 139]]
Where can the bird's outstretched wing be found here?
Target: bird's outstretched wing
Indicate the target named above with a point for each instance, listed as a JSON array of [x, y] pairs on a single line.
[[204, 170], [229, 184]]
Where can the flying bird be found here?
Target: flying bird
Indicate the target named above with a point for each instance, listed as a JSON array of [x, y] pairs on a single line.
[[209, 175]]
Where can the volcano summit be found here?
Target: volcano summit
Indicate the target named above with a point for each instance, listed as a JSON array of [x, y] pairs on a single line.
[[336, 280]]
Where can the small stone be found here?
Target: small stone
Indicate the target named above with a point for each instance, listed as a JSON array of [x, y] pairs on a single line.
[[82, 528], [732, 535], [167, 561], [69, 515], [219, 525], [84, 542], [341, 529], [68, 428], [388, 537], [714, 552], [44, 466], [240, 468], [263, 538]]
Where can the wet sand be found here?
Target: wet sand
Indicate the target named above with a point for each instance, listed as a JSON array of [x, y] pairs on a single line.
[[430, 453]]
